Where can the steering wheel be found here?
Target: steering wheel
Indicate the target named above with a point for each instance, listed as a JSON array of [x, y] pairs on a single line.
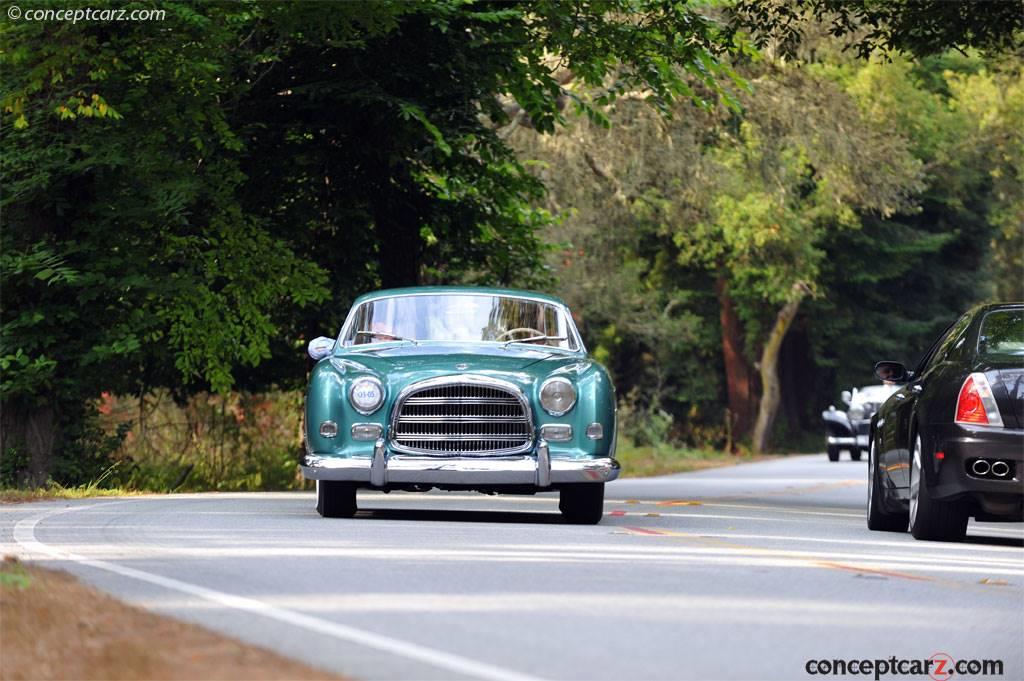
[[521, 329]]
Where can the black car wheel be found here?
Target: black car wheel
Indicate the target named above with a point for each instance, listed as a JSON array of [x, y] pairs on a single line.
[[582, 503], [335, 499], [854, 455], [879, 519], [929, 518], [833, 453]]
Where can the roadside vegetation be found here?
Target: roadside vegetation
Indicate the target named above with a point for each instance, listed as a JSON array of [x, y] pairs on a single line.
[[745, 203], [667, 459]]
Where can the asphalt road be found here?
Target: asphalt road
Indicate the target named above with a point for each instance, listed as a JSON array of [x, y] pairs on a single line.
[[740, 573]]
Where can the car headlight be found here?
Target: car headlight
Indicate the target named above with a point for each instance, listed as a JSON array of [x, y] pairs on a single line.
[[557, 396], [856, 412], [366, 395]]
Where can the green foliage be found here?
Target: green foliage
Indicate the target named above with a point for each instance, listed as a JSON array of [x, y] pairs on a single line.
[[878, 186], [240, 441], [184, 198], [13, 575], [13, 462], [919, 27]]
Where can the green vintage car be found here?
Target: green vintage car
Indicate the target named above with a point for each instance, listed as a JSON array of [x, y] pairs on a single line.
[[459, 388]]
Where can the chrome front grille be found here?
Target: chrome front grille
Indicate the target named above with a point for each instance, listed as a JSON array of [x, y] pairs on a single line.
[[462, 416]]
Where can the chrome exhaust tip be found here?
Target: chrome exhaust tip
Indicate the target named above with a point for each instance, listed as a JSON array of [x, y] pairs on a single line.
[[980, 467], [1000, 469]]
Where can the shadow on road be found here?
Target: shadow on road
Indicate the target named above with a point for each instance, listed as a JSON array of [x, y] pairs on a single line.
[[521, 517], [995, 541]]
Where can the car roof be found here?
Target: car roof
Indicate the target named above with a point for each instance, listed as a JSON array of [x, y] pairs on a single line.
[[989, 307], [455, 290]]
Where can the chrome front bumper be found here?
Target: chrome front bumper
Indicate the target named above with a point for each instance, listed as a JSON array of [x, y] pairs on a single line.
[[385, 469], [858, 441]]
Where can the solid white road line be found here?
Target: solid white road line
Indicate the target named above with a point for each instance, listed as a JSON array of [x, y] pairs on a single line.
[[24, 535]]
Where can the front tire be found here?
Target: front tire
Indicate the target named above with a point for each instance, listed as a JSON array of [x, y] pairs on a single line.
[[854, 455], [335, 499], [930, 518], [582, 503], [879, 519], [833, 453]]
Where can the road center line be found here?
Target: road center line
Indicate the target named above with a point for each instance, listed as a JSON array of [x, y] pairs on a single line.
[[24, 535]]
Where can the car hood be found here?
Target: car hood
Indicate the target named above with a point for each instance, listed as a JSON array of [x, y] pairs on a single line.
[[403, 364]]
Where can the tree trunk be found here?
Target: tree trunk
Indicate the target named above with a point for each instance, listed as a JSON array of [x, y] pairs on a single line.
[[28, 436], [795, 381], [770, 391], [738, 374]]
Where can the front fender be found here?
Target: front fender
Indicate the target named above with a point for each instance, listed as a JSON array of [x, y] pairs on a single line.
[[595, 403], [837, 423]]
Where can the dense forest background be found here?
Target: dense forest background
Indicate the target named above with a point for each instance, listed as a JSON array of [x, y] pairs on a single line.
[[745, 203]]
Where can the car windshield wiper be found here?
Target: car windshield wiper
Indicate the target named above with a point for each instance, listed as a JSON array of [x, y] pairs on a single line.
[[536, 338], [388, 336]]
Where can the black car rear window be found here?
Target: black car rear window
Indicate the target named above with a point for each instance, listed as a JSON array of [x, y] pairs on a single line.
[[1002, 333]]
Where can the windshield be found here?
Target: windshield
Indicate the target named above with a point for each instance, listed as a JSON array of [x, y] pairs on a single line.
[[874, 393], [461, 318], [1002, 333]]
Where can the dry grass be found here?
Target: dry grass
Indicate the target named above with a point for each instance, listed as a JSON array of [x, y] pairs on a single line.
[[54, 627], [18, 496]]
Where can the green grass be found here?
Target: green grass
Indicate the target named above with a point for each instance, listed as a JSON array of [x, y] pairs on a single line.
[[13, 495], [13, 575], [664, 459], [55, 490]]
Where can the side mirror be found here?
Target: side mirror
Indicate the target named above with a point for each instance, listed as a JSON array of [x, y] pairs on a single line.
[[320, 347], [891, 372], [846, 396]]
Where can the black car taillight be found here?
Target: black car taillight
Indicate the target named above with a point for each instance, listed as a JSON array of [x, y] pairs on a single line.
[[976, 405]]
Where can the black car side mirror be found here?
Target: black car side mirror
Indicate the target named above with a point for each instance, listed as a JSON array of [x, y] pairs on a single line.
[[891, 372]]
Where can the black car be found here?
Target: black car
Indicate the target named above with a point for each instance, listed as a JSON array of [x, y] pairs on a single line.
[[949, 444]]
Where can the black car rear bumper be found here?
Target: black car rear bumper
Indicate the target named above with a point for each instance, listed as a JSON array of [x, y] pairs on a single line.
[[953, 475]]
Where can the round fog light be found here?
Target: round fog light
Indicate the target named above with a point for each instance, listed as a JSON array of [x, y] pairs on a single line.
[[328, 429]]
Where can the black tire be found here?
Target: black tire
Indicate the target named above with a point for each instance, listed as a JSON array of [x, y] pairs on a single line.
[[854, 455], [879, 519], [929, 518], [833, 453], [582, 503], [335, 499]]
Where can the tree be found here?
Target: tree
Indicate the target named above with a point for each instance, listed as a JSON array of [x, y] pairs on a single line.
[[185, 198], [917, 27], [748, 199]]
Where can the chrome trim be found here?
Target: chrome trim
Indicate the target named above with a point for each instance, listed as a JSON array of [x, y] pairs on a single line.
[[595, 431], [570, 322], [1003, 471], [556, 432], [379, 465], [432, 470], [328, 424], [407, 396], [833, 440], [543, 465], [366, 432], [352, 388], [540, 393]]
